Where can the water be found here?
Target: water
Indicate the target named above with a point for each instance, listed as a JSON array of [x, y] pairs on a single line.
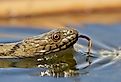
[[69, 65]]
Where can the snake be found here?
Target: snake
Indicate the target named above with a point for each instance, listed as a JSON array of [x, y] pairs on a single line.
[[43, 44]]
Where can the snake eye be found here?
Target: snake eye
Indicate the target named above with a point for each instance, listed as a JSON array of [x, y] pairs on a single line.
[[71, 31], [56, 36]]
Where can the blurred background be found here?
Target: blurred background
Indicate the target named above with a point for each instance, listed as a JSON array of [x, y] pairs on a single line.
[[58, 13]]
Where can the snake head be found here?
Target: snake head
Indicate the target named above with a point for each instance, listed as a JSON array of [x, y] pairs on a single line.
[[51, 41], [61, 38]]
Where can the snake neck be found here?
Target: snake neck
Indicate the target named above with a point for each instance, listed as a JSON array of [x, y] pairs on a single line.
[[19, 49], [8, 48]]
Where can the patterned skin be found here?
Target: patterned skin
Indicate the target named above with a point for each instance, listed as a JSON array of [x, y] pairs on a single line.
[[50, 42]]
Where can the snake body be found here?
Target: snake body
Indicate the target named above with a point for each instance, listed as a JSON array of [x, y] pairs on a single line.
[[42, 44]]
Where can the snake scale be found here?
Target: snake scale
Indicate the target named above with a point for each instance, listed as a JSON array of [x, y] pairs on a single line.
[[50, 42]]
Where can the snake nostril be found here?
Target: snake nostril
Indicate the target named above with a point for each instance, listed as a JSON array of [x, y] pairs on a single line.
[[71, 31]]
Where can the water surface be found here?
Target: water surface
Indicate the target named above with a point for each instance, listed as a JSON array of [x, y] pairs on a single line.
[[106, 67]]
